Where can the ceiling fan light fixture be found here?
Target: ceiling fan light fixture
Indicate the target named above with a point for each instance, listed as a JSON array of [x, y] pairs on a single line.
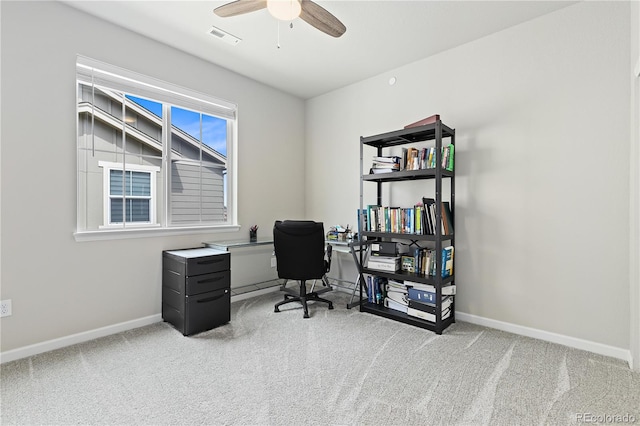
[[284, 10]]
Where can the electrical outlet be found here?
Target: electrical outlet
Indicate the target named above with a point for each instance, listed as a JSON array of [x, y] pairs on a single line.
[[5, 308], [274, 262]]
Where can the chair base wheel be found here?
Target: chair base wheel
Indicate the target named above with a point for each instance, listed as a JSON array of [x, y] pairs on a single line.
[[303, 298]]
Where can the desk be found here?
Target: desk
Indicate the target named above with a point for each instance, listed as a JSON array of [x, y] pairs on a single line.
[[252, 263], [226, 245], [270, 274]]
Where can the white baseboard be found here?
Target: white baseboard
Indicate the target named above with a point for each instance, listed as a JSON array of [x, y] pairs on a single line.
[[85, 336], [572, 342], [73, 339], [49, 345]]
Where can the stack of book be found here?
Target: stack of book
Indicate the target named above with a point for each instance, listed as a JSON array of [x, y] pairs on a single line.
[[422, 301], [422, 261], [396, 296], [419, 219], [429, 217], [376, 289], [425, 158], [385, 164], [384, 263]]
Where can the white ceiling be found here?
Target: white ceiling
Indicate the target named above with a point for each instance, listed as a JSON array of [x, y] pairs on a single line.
[[381, 35]]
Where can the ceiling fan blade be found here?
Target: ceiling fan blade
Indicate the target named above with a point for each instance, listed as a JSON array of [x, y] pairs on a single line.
[[317, 16], [239, 7]]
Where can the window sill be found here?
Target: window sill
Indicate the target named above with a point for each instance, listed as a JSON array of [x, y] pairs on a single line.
[[119, 234]]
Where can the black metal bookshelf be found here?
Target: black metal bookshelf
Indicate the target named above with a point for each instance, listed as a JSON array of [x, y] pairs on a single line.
[[435, 132]]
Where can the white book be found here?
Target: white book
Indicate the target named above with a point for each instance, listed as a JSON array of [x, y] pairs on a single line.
[[382, 266], [392, 304], [386, 259], [426, 315], [398, 296]]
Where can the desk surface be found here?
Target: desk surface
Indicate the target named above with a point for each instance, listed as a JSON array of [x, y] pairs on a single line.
[[226, 245]]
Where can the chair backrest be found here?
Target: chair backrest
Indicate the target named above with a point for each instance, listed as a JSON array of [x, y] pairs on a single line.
[[299, 248]]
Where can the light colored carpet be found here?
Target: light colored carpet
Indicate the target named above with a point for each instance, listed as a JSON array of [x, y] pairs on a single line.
[[340, 367]]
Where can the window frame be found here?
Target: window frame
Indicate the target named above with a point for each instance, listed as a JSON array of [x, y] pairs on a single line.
[[107, 166], [132, 83]]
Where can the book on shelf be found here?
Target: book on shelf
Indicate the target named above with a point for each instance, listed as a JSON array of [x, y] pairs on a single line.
[[398, 296], [413, 160], [376, 289], [385, 164], [392, 304], [363, 221], [426, 315], [377, 171], [384, 263], [447, 218], [393, 166], [447, 261], [396, 285], [447, 301], [421, 295], [429, 219], [447, 159], [393, 159], [447, 290], [419, 219], [429, 120]]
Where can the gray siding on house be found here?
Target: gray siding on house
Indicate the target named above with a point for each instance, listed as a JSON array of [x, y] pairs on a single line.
[[197, 193]]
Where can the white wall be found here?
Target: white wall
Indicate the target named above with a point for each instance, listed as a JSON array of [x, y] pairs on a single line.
[[634, 250], [60, 287], [542, 116]]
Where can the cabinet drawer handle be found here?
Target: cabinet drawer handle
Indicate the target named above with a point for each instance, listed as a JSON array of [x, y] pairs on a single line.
[[209, 280], [208, 262], [211, 299]]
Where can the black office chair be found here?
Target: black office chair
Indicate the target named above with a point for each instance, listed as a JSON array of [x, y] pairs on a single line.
[[300, 255]]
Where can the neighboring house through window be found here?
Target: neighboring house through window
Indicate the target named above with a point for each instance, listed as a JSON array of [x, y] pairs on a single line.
[[151, 156]]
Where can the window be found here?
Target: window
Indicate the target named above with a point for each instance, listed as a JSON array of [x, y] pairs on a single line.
[[152, 157], [129, 200]]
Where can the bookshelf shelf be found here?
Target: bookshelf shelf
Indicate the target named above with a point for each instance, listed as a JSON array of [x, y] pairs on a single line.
[[409, 276], [404, 318], [433, 178], [412, 237], [405, 175]]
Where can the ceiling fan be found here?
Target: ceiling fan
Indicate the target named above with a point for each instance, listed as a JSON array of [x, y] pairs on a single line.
[[287, 10]]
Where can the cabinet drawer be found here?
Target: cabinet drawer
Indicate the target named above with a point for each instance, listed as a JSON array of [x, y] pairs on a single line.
[[206, 311], [208, 282], [207, 264]]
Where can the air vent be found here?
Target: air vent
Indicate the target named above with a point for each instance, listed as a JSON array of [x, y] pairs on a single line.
[[223, 35]]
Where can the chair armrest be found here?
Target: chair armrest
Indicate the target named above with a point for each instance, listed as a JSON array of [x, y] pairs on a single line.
[[328, 257]]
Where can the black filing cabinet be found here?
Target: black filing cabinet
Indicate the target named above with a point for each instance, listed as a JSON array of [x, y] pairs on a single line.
[[196, 293]]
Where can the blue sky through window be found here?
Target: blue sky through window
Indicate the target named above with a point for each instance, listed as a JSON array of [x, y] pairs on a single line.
[[214, 129]]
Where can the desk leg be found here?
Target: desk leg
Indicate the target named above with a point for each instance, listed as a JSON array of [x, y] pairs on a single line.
[[351, 303]]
